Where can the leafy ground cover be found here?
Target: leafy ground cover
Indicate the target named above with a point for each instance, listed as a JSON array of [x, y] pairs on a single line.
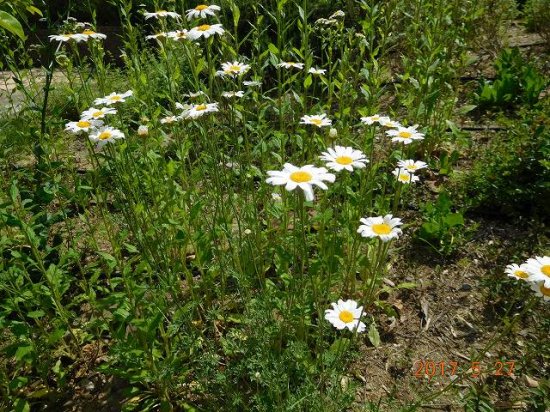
[[285, 205]]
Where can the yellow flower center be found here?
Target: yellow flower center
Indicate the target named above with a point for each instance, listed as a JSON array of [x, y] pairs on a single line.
[[300, 176], [201, 7], [521, 274], [203, 27], [99, 113], [381, 228], [234, 68], [404, 177], [346, 316], [405, 135], [344, 160], [83, 123], [162, 12], [115, 98], [546, 270], [88, 32], [201, 107], [544, 291], [316, 122], [104, 135]]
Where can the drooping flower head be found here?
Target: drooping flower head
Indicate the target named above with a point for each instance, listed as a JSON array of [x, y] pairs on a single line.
[[346, 314], [303, 177], [317, 71], [385, 228], [178, 35], [341, 158]]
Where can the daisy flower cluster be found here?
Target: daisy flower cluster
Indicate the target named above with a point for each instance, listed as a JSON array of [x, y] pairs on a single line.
[[536, 272], [82, 36], [92, 120]]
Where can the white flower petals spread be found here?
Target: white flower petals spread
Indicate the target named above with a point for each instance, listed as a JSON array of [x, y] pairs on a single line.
[[289, 65], [105, 135], [67, 37], [83, 126], [404, 176], [160, 14], [405, 135], [229, 95], [303, 177], [346, 314], [205, 30], [198, 110], [517, 271], [202, 11], [93, 113], [113, 98], [233, 69], [411, 166], [317, 71], [319, 120], [539, 269], [341, 158], [385, 228], [376, 118]]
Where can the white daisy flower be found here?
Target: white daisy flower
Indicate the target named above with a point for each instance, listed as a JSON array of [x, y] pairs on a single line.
[[387, 122], [178, 35], [229, 95], [143, 130], [384, 228], [346, 314], [156, 36], [105, 135], [327, 22], [517, 271], [202, 10], [96, 114], [303, 177], [83, 126], [317, 71], [288, 65], [341, 158], [113, 98], [374, 119], [252, 83], [67, 37], [193, 95], [405, 135], [541, 289], [161, 13], [205, 30], [539, 269], [197, 110], [94, 35], [404, 176], [411, 166], [233, 69], [319, 120], [170, 119]]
